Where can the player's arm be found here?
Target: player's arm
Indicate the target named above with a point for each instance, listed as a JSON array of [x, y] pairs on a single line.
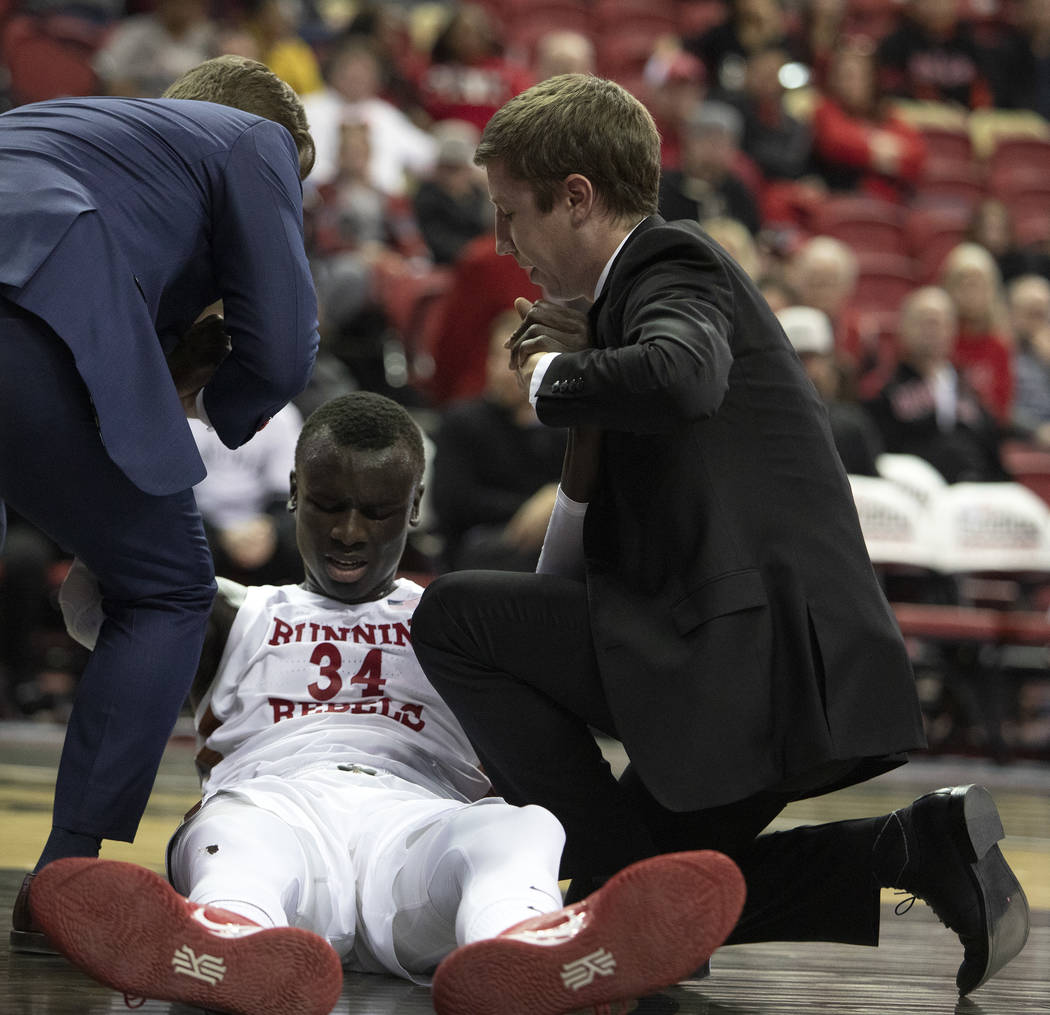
[[562, 551], [224, 609]]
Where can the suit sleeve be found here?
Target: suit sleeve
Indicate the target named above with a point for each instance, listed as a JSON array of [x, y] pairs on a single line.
[[264, 279], [672, 368]]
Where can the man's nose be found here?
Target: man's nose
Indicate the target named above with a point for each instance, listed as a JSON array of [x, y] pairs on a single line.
[[504, 244], [349, 528]]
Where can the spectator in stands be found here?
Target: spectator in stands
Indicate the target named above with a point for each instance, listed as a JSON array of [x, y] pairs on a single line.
[[351, 214], [752, 26], [933, 56], [400, 149], [563, 52], [983, 346], [1029, 302], [1026, 60], [927, 408], [358, 237], [777, 142], [777, 293], [737, 241], [452, 203], [706, 186], [818, 33], [992, 227], [823, 274], [496, 470], [675, 84], [484, 285], [859, 143], [385, 29], [468, 77], [856, 438], [146, 52], [243, 500], [274, 24]]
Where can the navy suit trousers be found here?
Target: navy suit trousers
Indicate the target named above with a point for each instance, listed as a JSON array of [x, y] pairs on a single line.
[[152, 562]]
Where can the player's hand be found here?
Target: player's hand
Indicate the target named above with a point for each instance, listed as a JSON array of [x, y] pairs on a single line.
[[250, 543], [197, 356], [546, 327]]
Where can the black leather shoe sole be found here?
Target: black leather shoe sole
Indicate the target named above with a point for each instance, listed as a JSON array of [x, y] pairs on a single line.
[[32, 942], [26, 934], [1004, 908]]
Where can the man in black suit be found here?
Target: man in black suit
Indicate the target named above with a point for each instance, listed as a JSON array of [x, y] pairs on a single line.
[[726, 624]]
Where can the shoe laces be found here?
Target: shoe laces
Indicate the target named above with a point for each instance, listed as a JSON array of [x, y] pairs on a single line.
[[905, 904], [132, 1001]]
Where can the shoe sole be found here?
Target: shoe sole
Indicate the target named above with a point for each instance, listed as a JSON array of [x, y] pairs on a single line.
[[130, 930], [32, 942], [651, 926], [1004, 907]]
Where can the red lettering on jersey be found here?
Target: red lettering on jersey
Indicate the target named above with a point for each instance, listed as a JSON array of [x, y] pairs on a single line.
[[327, 658], [371, 674], [369, 637], [282, 709], [282, 632]]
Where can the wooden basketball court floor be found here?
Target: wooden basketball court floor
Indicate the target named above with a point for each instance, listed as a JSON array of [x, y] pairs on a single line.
[[911, 972]]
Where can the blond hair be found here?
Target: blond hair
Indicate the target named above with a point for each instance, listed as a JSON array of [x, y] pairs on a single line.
[[578, 123], [252, 87]]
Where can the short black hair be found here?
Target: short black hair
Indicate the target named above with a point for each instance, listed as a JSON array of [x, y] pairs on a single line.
[[366, 420]]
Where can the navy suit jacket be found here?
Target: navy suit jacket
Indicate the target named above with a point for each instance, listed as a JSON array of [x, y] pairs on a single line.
[[120, 221], [742, 637]]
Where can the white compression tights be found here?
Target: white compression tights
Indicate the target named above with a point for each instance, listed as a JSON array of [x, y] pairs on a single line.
[[473, 874], [467, 875]]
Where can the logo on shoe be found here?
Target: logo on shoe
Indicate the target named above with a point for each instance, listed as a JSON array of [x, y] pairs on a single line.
[[225, 928], [582, 973], [209, 968]]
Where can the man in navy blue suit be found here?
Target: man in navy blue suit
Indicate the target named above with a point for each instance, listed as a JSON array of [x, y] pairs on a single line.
[[121, 220]]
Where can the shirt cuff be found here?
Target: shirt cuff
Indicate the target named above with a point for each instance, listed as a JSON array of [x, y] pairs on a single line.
[[537, 375]]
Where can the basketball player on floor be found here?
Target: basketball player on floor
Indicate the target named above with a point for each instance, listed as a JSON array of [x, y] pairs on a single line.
[[344, 821]]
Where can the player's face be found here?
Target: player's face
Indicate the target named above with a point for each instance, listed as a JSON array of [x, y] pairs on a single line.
[[353, 508], [543, 243]]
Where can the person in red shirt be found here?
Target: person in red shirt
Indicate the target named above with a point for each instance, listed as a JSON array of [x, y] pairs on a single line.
[[468, 77], [858, 142], [983, 349]]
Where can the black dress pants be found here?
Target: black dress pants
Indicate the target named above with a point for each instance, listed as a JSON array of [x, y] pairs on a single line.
[[512, 655]]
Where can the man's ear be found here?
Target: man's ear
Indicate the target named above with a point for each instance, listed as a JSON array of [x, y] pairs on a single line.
[[413, 518], [292, 496], [580, 192]]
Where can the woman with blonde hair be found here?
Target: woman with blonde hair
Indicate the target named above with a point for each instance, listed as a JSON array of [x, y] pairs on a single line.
[[983, 349]]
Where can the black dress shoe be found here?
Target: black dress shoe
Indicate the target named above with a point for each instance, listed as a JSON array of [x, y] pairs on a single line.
[[952, 863], [26, 933]]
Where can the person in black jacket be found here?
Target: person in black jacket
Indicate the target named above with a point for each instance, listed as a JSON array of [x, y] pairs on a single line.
[[495, 471], [721, 618]]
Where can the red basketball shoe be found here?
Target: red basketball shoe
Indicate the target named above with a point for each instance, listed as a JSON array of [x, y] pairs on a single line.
[[650, 926], [129, 929]]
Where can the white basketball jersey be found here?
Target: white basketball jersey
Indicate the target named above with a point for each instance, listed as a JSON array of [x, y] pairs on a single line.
[[306, 681]]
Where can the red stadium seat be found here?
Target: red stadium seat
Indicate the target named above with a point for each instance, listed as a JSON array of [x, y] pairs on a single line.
[[44, 63], [883, 281], [931, 233], [950, 183], [947, 144], [864, 223]]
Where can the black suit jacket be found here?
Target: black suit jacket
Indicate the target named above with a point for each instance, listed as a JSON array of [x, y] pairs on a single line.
[[742, 637]]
